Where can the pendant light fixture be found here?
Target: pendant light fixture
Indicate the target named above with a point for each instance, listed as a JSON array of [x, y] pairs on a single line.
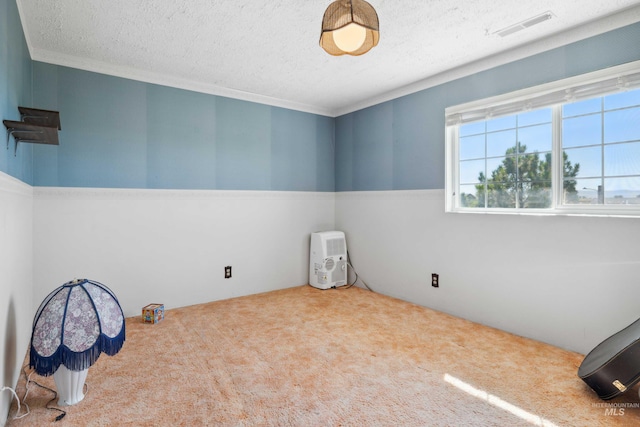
[[349, 27]]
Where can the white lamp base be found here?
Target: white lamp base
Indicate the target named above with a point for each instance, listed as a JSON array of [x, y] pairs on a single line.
[[70, 385]]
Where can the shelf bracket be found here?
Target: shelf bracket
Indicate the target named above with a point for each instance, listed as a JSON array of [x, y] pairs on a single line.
[[11, 131], [36, 127]]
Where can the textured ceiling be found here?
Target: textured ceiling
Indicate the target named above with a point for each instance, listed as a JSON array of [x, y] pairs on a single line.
[[267, 50]]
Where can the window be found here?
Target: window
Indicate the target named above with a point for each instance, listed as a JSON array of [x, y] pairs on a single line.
[[567, 147]]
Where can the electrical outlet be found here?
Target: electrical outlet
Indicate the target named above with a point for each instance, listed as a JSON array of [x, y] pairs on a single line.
[[227, 272], [435, 280]]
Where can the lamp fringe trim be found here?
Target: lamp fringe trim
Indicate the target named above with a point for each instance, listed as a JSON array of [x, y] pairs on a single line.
[[76, 361]]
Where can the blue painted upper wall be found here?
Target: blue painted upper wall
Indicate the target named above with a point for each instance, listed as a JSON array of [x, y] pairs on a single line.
[[15, 89], [400, 144], [122, 133]]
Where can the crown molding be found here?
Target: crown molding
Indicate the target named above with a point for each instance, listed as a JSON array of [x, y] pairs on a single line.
[[608, 23], [590, 29], [131, 73]]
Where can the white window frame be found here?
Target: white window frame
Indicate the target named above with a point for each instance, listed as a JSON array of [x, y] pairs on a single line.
[[586, 86]]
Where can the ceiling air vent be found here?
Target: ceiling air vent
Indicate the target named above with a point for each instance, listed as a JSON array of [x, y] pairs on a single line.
[[524, 24]]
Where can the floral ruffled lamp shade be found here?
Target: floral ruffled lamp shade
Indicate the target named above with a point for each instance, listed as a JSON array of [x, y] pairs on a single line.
[[75, 324]]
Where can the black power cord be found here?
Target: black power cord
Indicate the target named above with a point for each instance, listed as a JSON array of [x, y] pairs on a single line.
[[55, 394]]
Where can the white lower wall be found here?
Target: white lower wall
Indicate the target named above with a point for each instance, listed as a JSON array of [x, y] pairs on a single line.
[[568, 281], [16, 281], [171, 246]]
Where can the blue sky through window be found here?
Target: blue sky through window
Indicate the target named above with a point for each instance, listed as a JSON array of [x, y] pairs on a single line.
[[601, 134]]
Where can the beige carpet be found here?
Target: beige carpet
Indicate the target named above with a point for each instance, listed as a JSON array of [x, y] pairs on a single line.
[[306, 357]]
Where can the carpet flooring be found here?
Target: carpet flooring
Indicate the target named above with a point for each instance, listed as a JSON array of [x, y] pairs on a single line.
[[345, 357]]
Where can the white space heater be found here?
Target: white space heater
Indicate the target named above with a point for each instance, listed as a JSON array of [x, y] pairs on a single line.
[[328, 260]]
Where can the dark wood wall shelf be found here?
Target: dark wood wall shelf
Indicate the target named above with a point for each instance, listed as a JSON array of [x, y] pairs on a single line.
[[37, 126], [40, 117]]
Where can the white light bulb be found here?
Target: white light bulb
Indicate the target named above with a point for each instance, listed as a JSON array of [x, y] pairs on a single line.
[[350, 37]]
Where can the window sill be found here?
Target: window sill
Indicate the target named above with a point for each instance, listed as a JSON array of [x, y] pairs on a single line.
[[582, 212]]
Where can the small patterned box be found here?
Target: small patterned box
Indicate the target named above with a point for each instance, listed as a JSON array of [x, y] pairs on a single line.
[[153, 313]]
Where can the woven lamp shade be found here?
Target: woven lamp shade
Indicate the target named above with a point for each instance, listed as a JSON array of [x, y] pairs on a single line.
[[356, 16]]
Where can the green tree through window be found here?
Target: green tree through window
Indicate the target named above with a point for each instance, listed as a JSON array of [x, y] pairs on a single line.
[[569, 147], [522, 180]]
